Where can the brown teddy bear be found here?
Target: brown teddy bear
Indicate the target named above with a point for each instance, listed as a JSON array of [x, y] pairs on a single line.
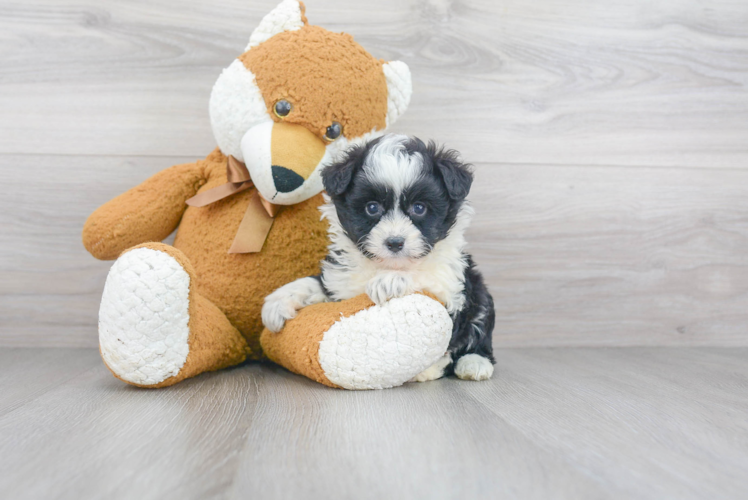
[[249, 222]]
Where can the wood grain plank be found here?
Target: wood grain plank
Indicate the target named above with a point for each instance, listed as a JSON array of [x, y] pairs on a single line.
[[26, 375], [50, 286], [573, 255], [573, 82], [415, 441], [95, 437], [639, 257], [614, 423], [630, 415], [613, 256]]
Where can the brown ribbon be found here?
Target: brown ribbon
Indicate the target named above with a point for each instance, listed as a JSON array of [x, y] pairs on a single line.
[[257, 220]]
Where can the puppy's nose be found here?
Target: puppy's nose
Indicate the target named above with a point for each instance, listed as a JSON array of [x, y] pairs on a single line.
[[286, 180], [395, 244]]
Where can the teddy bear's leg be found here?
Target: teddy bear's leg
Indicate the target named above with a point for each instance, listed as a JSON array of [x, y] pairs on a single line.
[[155, 329], [355, 344]]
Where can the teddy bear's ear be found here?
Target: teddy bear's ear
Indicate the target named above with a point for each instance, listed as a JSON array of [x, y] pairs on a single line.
[[399, 89], [287, 16]]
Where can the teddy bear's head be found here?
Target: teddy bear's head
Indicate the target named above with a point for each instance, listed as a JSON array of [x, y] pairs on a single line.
[[297, 97]]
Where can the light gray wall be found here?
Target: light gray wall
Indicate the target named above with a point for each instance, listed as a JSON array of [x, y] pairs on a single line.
[[610, 140]]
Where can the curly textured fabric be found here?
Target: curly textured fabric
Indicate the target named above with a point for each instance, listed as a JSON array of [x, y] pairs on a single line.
[[155, 329], [144, 317], [384, 346], [236, 283], [148, 212], [172, 312], [399, 89], [355, 344], [239, 283], [287, 16], [326, 76]]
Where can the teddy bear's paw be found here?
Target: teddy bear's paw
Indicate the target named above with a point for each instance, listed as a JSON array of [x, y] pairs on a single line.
[[144, 317], [385, 345], [474, 367]]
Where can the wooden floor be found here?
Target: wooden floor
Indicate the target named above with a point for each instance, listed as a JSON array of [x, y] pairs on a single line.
[[573, 423], [610, 141]]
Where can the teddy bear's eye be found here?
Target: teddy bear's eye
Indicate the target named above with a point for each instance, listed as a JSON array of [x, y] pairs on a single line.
[[333, 131], [282, 108]]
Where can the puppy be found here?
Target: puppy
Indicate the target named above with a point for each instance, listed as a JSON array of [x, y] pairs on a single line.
[[398, 215]]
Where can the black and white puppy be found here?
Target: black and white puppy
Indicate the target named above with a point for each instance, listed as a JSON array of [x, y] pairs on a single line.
[[398, 215]]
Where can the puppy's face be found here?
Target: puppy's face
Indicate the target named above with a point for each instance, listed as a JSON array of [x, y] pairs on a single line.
[[397, 197]]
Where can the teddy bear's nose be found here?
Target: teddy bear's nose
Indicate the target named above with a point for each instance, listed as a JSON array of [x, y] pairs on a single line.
[[286, 180]]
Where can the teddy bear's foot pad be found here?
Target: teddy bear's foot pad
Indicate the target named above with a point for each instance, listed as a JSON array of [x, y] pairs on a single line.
[[144, 317], [385, 346]]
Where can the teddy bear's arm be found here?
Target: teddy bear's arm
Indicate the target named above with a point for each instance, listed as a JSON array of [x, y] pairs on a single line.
[[148, 212]]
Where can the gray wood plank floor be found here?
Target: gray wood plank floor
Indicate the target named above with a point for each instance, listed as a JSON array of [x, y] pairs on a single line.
[[575, 423]]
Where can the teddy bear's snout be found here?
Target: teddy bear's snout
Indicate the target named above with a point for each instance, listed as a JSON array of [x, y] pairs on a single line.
[[282, 159], [296, 149]]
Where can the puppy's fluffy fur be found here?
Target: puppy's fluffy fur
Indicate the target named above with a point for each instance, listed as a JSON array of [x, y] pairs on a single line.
[[398, 215]]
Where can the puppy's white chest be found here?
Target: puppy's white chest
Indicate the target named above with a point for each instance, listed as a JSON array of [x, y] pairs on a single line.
[[444, 284]]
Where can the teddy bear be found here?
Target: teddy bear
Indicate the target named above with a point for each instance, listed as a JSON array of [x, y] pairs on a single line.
[[247, 222]]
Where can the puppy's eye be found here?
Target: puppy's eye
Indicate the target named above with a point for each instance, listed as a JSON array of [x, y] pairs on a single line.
[[418, 209], [333, 131], [373, 208], [282, 108]]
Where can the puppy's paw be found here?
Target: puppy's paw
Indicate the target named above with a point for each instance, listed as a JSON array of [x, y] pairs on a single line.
[[388, 285], [435, 371], [276, 311], [474, 367], [282, 304]]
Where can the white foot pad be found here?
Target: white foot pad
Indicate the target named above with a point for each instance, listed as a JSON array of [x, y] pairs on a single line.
[[473, 367], [435, 371], [385, 346], [144, 317]]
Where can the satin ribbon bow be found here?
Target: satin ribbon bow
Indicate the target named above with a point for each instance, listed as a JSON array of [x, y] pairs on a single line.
[[258, 218]]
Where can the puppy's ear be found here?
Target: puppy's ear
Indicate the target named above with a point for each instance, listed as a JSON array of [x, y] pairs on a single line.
[[338, 176], [457, 176]]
